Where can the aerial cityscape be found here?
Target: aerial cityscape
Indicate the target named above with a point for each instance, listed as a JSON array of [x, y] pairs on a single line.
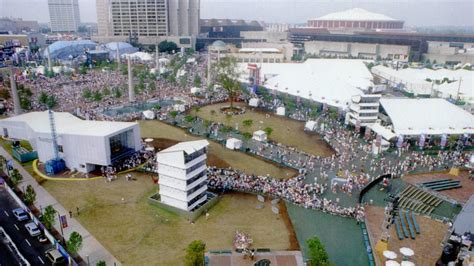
[[240, 132]]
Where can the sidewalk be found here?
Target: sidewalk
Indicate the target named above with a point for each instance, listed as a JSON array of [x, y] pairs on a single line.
[[90, 246]]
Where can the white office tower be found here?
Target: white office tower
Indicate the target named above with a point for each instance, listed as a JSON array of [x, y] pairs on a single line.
[[182, 171], [364, 109], [184, 17], [148, 18], [64, 15]]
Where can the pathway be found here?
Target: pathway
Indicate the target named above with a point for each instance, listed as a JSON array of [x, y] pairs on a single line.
[[90, 246]]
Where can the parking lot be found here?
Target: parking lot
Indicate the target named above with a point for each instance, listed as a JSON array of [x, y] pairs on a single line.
[[30, 247]]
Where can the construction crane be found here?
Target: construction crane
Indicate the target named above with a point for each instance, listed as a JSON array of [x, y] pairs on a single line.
[[56, 164]]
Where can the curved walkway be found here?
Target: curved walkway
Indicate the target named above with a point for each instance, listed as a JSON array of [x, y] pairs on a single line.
[[42, 175], [90, 246]]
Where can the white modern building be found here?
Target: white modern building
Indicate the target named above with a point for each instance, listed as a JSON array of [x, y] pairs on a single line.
[[364, 110], [182, 171], [83, 144], [64, 15], [357, 50], [450, 52], [151, 21]]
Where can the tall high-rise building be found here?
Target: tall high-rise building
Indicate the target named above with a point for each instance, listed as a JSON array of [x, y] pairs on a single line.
[[149, 20], [64, 15]]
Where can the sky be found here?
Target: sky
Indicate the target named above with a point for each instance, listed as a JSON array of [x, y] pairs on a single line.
[[413, 12]]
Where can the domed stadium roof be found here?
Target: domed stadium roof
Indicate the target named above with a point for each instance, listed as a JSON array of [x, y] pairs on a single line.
[[356, 14], [121, 45], [218, 43], [124, 48], [65, 49]]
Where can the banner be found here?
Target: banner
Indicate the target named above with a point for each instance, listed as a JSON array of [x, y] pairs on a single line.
[[63, 220], [378, 141], [367, 133], [400, 141], [444, 139], [421, 143]]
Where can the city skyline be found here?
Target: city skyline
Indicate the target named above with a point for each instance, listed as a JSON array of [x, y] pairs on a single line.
[[457, 13]]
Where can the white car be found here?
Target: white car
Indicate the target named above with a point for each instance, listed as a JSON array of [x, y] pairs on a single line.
[[20, 214], [32, 229]]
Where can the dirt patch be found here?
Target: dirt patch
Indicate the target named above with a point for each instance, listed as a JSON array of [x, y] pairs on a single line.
[[294, 245]]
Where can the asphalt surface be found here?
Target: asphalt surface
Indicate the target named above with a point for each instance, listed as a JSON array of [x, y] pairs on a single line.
[[31, 249]]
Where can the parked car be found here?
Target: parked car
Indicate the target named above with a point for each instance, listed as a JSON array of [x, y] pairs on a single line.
[[32, 229], [55, 257], [20, 214], [42, 239]]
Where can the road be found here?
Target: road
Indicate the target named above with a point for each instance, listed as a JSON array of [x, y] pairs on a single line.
[[31, 249], [90, 246]]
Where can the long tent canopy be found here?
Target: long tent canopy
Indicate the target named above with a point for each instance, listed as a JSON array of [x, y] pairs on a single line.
[[430, 116], [423, 81], [330, 81]]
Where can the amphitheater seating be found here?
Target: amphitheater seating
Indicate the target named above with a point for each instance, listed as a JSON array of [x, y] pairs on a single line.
[[410, 225], [397, 228], [418, 200], [415, 223], [441, 184]]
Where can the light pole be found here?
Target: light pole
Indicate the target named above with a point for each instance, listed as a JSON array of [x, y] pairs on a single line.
[[88, 262]]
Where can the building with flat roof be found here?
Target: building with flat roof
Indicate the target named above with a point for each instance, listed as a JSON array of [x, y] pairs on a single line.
[[450, 52], [355, 19], [18, 25], [64, 15], [182, 172], [83, 144], [150, 21]]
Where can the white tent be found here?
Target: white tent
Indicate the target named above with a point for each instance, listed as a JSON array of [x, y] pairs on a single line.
[[195, 90], [310, 125], [179, 107], [280, 111], [386, 133], [259, 135], [140, 56], [148, 114], [254, 102], [233, 144]]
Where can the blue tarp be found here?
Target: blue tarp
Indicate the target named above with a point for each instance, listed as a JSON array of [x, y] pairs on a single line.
[[63, 50]]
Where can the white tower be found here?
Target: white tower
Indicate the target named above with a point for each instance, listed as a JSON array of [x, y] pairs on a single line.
[[131, 92]]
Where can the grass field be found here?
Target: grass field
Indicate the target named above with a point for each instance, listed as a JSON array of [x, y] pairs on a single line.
[[287, 131], [238, 160], [136, 233]]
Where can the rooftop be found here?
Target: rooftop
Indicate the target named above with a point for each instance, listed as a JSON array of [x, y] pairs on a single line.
[[67, 123], [432, 116], [188, 147], [356, 14]]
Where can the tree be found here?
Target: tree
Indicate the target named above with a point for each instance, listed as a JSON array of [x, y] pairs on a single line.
[[101, 263], [106, 91], [43, 97], [51, 102], [247, 135], [167, 47], [74, 243], [30, 195], [247, 123], [48, 218], [317, 252], [15, 177], [195, 253], [87, 94], [97, 96], [268, 131], [197, 81], [173, 114], [227, 76], [117, 92], [189, 118]]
